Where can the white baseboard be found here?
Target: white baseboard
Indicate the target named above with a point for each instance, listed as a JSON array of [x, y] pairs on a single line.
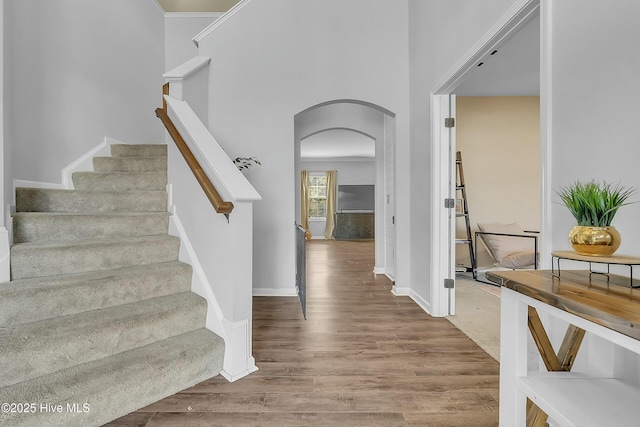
[[82, 163], [238, 361], [5, 266], [34, 184], [85, 162], [378, 270], [422, 303], [274, 292]]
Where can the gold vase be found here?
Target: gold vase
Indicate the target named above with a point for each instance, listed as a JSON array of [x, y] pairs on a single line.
[[594, 241]]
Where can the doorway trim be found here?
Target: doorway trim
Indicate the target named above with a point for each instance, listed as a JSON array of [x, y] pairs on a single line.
[[382, 241], [443, 300]]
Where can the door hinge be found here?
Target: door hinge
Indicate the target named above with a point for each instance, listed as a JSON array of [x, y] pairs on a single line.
[[449, 283], [450, 122], [449, 203]]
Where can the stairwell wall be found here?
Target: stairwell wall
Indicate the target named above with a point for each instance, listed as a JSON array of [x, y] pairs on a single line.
[[4, 233], [180, 28], [272, 60], [79, 71]]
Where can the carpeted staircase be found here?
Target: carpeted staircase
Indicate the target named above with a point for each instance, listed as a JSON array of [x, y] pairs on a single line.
[[99, 317]]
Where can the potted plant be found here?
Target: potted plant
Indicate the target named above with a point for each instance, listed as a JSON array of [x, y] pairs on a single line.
[[594, 205]]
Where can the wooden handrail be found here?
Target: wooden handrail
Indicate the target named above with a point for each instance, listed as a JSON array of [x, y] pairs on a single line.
[[209, 189]]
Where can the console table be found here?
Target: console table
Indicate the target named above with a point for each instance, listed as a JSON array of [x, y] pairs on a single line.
[[604, 391]]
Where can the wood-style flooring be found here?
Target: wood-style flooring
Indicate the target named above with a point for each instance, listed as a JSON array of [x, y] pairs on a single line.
[[363, 358]]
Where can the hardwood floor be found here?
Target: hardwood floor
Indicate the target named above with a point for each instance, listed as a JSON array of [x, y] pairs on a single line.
[[363, 358]]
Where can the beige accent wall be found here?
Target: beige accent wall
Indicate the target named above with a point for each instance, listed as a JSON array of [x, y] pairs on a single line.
[[499, 138]]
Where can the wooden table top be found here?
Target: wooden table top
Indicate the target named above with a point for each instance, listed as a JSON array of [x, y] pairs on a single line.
[[607, 304]]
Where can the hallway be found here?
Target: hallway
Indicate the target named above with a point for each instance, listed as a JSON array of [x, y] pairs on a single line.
[[363, 358]]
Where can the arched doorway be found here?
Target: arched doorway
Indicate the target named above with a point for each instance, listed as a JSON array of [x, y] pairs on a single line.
[[345, 134]]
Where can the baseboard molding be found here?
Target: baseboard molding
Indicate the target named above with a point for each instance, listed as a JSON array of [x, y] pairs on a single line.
[[238, 360], [379, 270], [85, 162], [274, 292], [5, 265], [318, 238], [34, 184], [231, 378], [422, 303], [82, 163]]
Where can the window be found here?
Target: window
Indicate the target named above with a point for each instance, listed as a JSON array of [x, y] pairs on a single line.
[[317, 196]]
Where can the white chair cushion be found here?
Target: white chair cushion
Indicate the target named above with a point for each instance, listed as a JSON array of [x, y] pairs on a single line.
[[501, 246], [518, 260]]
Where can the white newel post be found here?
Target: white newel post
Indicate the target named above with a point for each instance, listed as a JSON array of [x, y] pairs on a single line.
[[239, 361], [189, 82]]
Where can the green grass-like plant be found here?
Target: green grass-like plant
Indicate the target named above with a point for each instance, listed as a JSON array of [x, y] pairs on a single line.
[[594, 204]]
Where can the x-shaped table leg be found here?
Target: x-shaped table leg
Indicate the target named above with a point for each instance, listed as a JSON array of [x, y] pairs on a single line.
[[562, 361]]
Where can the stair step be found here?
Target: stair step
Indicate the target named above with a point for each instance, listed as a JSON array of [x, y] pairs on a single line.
[[38, 259], [120, 384], [53, 200], [31, 300], [42, 226], [39, 348], [139, 150], [120, 181], [130, 164]]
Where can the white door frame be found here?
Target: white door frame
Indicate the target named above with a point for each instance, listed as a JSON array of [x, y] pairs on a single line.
[[443, 300]]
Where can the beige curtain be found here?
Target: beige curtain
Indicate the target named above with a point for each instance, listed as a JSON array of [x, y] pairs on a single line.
[[331, 204], [304, 201]]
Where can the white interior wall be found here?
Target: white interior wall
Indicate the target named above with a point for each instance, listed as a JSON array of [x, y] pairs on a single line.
[[80, 71], [595, 106], [440, 34], [499, 139], [179, 30], [3, 174], [349, 172], [262, 78]]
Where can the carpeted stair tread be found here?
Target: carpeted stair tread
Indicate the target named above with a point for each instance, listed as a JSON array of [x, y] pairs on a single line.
[[130, 164], [38, 259], [54, 200], [138, 150], [119, 181], [120, 384], [62, 226], [99, 309], [39, 348], [31, 300]]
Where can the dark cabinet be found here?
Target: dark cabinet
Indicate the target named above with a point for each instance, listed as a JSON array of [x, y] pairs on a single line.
[[354, 225]]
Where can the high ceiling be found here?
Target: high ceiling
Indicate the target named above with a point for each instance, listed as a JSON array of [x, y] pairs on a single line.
[[197, 5], [514, 70]]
